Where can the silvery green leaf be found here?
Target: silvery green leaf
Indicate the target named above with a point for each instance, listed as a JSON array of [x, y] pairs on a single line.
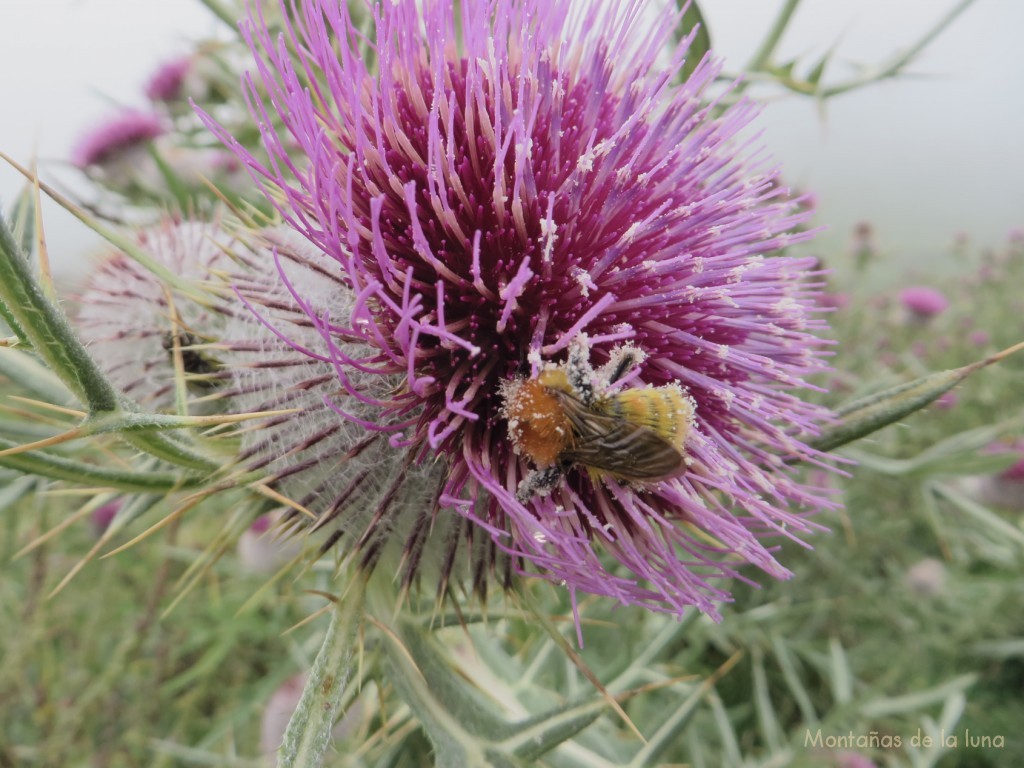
[[869, 414], [692, 22], [34, 378], [23, 219]]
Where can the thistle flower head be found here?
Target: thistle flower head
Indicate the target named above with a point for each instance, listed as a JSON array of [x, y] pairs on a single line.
[[1015, 472], [331, 453], [168, 80], [927, 577], [261, 550], [922, 302], [117, 140], [509, 181], [132, 323], [1003, 489], [102, 517]]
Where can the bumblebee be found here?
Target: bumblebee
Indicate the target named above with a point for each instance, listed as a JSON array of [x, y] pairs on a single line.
[[194, 363], [570, 415]]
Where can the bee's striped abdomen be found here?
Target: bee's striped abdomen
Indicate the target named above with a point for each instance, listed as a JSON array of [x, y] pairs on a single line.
[[664, 410]]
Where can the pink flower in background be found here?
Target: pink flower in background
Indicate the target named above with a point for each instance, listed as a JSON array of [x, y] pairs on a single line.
[[491, 197], [1015, 472], [979, 338], [104, 516], [119, 139], [261, 549], [835, 300], [926, 578], [1003, 489], [922, 302], [168, 81]]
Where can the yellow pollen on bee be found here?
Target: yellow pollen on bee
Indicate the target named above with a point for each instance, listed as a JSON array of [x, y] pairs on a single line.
[[665, 410]]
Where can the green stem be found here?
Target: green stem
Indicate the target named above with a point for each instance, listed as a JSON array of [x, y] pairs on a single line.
[[48, 330], [898, 62], [760, 67], [309, 731], [771, 41]]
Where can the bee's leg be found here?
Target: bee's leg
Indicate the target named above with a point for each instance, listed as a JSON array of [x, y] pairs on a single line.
[[622, 361], [579, 371], [540, 482]]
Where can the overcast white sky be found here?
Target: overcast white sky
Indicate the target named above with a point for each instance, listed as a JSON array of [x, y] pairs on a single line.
[[922, 158]]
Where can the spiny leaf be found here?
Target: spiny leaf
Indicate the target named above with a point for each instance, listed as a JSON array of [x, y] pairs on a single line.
[[11, 492], [871, 413], [841, 676], [130, 511], [960, 454], [818, 70], [896, 705], [175, 184], [24, 370], [692, 24], [979, 513], [309, 731], [768, 719], [119, 241], [668, 732], [59, 468], [47, 328], [23, 219]]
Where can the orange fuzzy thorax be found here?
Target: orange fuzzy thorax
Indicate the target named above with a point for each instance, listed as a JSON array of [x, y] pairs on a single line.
[[537, 424]]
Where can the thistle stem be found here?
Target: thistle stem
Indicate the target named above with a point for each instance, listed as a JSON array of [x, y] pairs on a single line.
[[309, 731], [771, 41]]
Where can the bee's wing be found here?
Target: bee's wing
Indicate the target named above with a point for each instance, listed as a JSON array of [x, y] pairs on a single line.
[[618, 446]]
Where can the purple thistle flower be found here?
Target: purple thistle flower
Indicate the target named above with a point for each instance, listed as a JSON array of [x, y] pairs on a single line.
[[926, 578], [1004, 489], [979, 338], [922, 302], [344, 468], [261, 550], [1015, 473], [491, 197], [102, 517], [168, 80], [125, 316], [118, 137]]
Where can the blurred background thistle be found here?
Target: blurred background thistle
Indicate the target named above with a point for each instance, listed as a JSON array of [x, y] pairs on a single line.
[[181, 650]]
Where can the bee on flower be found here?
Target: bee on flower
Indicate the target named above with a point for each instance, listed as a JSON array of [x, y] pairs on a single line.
[[498, 182], [571, 415]]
